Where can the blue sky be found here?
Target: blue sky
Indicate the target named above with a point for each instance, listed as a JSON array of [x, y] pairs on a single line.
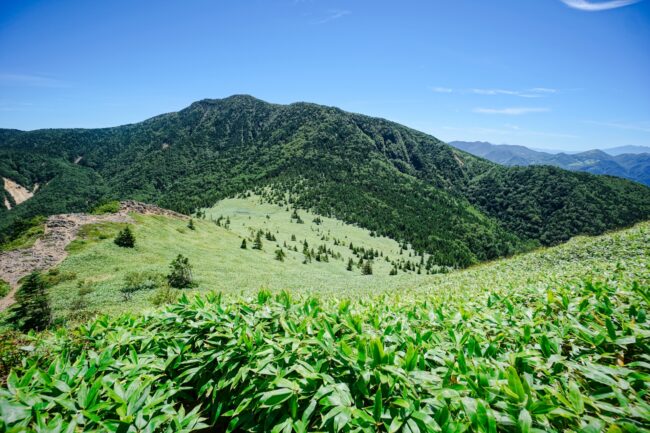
[[569, 74]]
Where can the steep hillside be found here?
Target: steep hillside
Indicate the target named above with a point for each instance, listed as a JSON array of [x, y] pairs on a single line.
[[380, 175], [613, 162]]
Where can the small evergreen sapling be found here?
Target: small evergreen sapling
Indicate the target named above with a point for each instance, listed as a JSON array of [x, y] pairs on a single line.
[[180, 275], [33, 311], [257, 243], [125, 238]]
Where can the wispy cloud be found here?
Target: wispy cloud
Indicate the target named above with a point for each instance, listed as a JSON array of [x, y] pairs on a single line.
[[535, 92], [589, 6], [334, 14], [543, 90], [632, 126], [30, 81], [511, 111], [521, 93]]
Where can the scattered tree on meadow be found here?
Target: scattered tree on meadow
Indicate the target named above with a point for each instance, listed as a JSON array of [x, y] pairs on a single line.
[[243, 244], [350, 264], [180, 275], [257, 243], [33, 309], [125, 238], [367, 268], [190, 225], [280, 255]]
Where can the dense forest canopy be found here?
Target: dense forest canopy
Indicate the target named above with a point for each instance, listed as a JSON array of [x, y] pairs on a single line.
[[372, 172]]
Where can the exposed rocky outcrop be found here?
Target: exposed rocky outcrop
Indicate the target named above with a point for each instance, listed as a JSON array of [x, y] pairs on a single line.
[[60, 230], [148, 209]]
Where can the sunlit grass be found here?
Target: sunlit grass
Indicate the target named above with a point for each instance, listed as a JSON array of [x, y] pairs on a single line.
[[220, 264]]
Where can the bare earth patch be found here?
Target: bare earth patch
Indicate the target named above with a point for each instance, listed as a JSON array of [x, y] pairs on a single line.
[[18, 192], [60, 230]]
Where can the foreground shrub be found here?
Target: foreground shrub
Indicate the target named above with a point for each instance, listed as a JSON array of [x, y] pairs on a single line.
[[13, 348], [180, 273], [561, 359]]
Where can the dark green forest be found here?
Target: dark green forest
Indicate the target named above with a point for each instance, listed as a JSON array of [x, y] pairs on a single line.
[[378, 174]]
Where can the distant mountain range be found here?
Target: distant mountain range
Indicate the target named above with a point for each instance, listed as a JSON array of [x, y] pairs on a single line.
[[629, 162], [377, 174], [611, 150]]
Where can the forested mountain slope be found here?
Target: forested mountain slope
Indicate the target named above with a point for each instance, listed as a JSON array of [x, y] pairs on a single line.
[[368, 171]]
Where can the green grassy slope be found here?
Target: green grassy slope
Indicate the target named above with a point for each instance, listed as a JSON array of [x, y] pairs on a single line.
[[551, 341], [220, 264]]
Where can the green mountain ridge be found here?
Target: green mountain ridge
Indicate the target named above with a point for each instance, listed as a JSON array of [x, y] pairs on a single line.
[[377, 174], [613, 162]]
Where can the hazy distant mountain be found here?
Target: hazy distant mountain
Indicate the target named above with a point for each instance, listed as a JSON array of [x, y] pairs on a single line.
[[629, 165], [627, 149], [619, 150]]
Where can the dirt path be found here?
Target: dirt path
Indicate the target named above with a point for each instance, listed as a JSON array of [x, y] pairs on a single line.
[[60, 230]]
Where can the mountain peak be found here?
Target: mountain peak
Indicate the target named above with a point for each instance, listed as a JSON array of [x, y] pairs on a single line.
[[236, 98]]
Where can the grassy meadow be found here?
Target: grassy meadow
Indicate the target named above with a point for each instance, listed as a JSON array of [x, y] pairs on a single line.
[[220, 264], [556, 340]]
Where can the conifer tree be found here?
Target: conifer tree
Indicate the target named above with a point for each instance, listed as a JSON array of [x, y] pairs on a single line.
[[350, 264], [125, 238], [367, 268], [257, 243], [243, 244], [190, 225], [33, 310], [180, 275]]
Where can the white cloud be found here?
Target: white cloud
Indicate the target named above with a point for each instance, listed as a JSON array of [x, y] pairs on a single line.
[[543, 90], [536, 92], [588, 6], [334, 14], [441, 89], [512, 111]]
